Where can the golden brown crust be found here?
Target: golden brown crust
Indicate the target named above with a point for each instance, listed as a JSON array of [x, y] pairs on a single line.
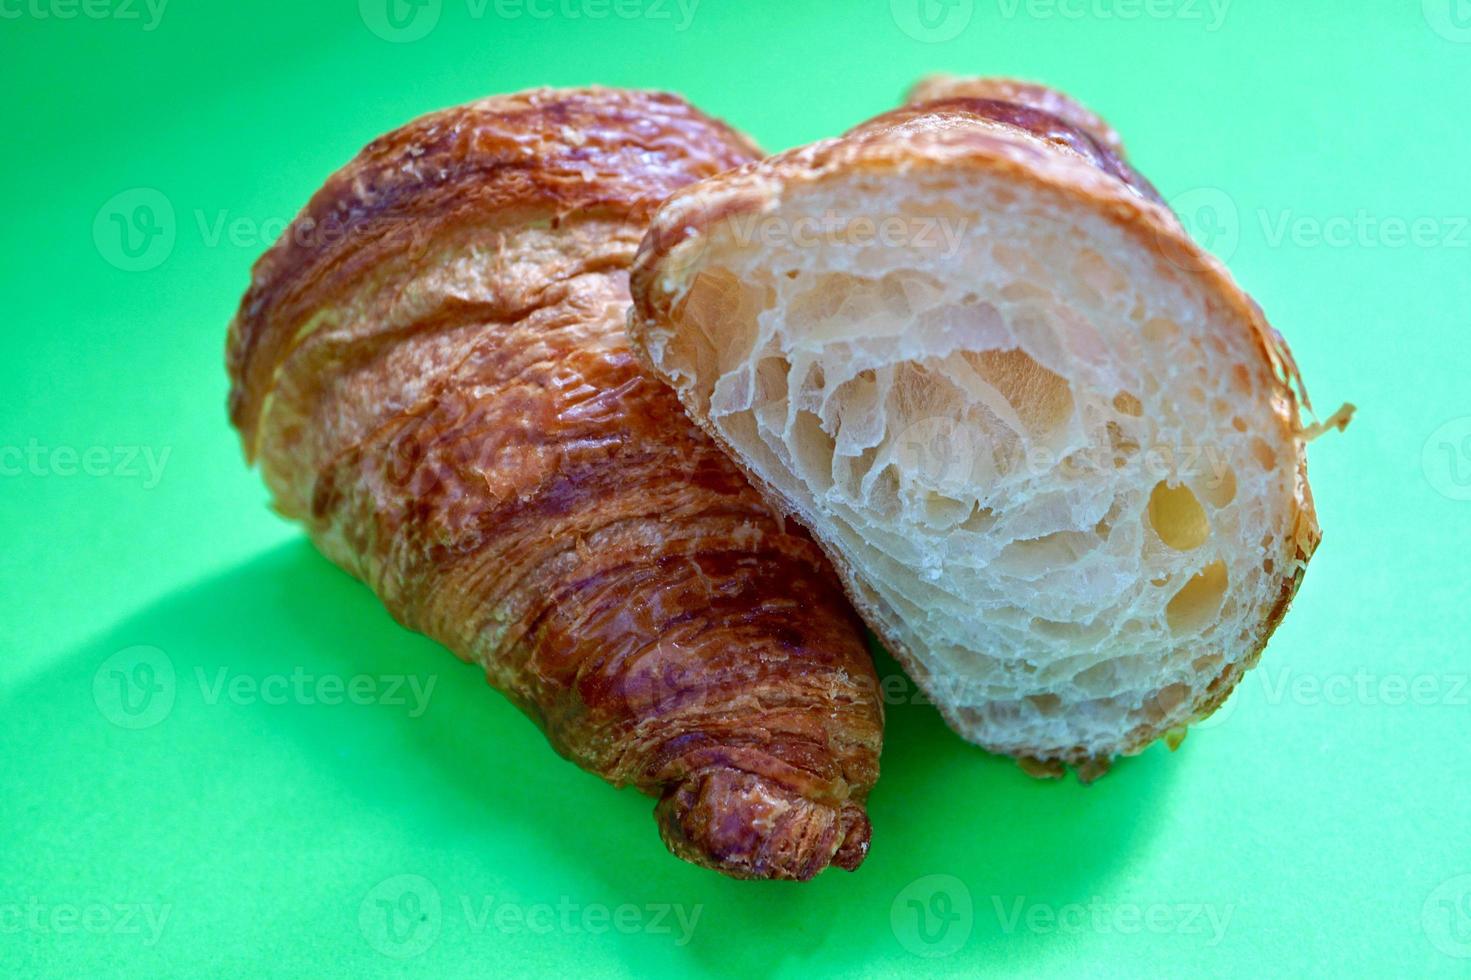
[[443, 393], [546, 151], [938, 88], [1042, 136]]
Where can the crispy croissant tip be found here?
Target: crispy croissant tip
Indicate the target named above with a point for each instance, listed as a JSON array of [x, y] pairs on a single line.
[[746, 826], [856, 834]]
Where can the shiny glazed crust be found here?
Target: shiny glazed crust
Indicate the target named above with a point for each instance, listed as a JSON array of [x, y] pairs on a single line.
[[1034, 137], [431, 368]]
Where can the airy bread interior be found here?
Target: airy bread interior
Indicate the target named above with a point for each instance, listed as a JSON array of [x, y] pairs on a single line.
[[1054, 468]]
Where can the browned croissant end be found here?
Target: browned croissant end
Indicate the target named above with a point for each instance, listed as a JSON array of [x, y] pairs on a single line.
[[431, 368]]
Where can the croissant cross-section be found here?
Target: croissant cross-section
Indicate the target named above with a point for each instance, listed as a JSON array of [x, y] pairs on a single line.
[[1053, 449]]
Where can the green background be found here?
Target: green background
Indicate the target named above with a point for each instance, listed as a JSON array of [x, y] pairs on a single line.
[[1321, 817]]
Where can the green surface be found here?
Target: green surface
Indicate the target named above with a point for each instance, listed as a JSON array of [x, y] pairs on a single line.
[[240, 822]]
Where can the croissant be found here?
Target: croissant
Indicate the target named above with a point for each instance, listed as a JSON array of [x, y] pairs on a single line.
[[1054, 451], [431, 368]]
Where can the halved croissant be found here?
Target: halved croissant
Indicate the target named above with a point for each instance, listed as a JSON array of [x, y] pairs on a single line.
[[1052, 448], [432, 369]]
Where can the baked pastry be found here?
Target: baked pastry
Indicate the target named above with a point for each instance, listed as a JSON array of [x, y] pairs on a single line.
[[1054, 451], [432, 370]]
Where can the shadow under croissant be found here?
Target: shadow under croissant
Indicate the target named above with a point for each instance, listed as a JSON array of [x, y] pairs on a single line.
[[453, 776]]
